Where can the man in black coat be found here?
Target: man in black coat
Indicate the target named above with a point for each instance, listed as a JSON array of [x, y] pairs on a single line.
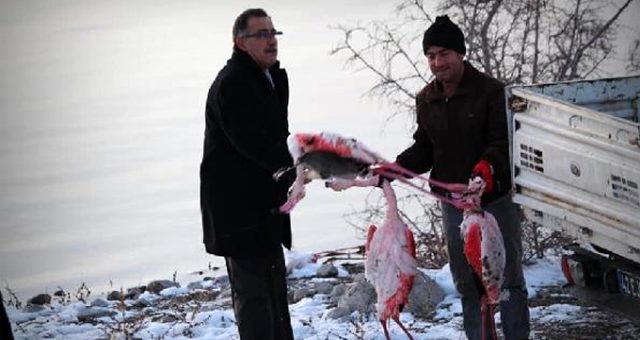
[[244, 145], [5, 325]]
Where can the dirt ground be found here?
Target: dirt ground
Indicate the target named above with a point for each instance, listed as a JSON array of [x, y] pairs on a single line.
[[604, 316], [595, 314]]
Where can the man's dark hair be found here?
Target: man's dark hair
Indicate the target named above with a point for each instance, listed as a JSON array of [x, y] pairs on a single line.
[[242, 21]]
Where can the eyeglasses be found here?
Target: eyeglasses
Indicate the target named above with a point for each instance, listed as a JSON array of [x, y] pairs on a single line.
[[263, 34]]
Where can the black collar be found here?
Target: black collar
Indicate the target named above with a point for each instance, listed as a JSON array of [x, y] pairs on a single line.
[[435, 89], [245, 59]]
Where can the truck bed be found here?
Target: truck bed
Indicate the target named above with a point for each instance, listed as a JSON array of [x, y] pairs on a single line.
[[575, 159]]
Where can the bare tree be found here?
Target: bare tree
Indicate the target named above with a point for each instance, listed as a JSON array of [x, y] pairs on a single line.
[[391, 50], [536, 241], [423, 218], [516, 41], [633, 64]]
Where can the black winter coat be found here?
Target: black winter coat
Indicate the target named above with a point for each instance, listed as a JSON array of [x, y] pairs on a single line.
[[454, 133], [244, 144]]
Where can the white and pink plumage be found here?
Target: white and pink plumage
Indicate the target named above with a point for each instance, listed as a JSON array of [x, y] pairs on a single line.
[[484, 251], [390, 263], [327, 156]]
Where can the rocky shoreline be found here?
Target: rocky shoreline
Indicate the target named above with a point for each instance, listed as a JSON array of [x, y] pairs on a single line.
[[346, 298], [345, 289]]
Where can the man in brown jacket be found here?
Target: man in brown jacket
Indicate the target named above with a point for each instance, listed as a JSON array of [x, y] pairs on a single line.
[[462, 133]]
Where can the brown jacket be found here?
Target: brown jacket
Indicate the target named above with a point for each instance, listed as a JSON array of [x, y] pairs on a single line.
[[454, 133]]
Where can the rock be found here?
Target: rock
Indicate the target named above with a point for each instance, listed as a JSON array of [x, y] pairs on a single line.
[[148, 311], [141, 303], [159, 285], [40, 299], [223, 282], [99, 303], [225, 294], [339, 313], [210, 308], [358, 277], [327, 270], [323, 287], [224, 298], [337, 292], [92, 313], [134, 292], [359, 297], [424, 297], [33, 308], [114, 296], [167, 318], [59, 293], [290, 294], [302, 293], [195, 285]]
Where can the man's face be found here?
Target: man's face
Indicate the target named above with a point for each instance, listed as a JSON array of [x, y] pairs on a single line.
[[446, 64], [263, 49]]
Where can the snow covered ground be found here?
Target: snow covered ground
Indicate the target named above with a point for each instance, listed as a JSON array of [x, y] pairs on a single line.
[[176, 313]]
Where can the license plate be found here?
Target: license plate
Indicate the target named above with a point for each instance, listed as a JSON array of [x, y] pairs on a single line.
[[629, 284]]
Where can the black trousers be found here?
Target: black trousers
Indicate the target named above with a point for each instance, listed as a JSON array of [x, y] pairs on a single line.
[[5, 326], [514, 313], [259, 294]]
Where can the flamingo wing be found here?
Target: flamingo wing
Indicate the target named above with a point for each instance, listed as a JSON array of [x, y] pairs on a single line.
[[370, 233], [493, 257], [411, 243], [473, 248], [484, 251]]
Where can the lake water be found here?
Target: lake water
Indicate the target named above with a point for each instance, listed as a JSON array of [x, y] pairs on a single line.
[[101, 129]]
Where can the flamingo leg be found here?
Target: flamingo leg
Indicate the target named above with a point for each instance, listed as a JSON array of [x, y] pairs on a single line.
[[404, 329], [487, 311], [384, 328], [483, 313]]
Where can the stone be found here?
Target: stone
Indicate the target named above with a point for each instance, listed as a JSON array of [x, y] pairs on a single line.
[[167, 318], [323, 287], [99, 303], [134, 292], [40, 299], [223, 281], [114, 296], [160, 285], [424, 297], [327, 270], [339, 313], [141, 303], [360, 296], [148, 311], [302, 293], [195, 285], [33, 308], [92, 313], [336, 292]]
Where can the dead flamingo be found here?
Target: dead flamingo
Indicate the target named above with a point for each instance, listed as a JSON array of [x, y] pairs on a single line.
[[325, 156], [484, 251], [390, 263]]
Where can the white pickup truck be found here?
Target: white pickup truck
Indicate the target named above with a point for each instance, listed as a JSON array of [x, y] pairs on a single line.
[[575, 157]]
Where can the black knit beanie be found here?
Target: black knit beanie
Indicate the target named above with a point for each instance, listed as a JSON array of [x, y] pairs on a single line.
[[444, 33]]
